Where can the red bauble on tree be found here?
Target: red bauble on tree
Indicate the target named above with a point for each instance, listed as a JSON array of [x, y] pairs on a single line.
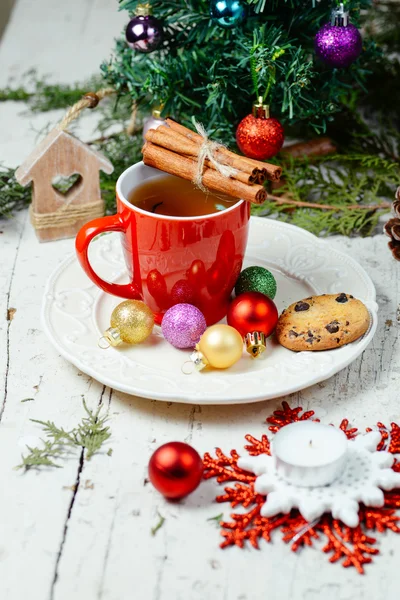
[[258, 135], [255, 316], [175, 470]]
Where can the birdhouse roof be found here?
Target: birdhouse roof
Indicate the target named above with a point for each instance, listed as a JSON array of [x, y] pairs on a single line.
[[24, 173]]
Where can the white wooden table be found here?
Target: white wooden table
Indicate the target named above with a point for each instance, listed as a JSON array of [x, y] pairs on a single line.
[[83, 531]]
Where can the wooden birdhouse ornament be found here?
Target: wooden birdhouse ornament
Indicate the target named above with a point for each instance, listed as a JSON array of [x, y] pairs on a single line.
[[65, 180]]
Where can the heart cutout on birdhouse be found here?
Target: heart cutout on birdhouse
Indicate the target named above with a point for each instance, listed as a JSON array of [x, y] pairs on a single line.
[[66, 185]]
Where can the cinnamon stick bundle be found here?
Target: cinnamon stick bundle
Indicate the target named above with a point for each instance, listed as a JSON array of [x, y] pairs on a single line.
[[183, 166], [226, 157], [177, 150], [165, 138], [174, 139]]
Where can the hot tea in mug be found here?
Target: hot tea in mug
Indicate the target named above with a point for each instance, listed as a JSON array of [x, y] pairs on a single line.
[[176, 197], [180, 245]]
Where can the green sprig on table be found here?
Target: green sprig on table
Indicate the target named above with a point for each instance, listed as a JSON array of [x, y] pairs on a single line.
[[42, 96], [89, 435], [13, 197]]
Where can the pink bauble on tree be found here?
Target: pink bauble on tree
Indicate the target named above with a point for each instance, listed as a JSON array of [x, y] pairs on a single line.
[[258, 135]]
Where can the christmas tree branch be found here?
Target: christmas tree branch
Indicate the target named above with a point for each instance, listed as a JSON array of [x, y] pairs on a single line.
[[345, 193]]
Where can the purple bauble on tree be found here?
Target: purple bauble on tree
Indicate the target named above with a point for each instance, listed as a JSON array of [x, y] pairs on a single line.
[[183, 325], [144, 32], [338, 43]]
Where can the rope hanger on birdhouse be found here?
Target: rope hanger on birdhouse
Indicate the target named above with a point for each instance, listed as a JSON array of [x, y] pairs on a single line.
[[89, 100]]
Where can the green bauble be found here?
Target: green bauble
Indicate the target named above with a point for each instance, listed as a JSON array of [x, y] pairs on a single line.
[[256, 279]]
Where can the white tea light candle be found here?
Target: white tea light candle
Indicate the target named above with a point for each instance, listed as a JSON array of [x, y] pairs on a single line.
[[309, 454]]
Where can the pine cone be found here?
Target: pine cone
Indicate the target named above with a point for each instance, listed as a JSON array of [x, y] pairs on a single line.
[[392, 227], [396, 204]]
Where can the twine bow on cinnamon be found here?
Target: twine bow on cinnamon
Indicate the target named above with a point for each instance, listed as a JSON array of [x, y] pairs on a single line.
[[207, 152]]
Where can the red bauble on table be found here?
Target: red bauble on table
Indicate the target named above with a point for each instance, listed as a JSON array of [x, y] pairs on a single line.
[[175, 470], [258, 135], [255, 316]]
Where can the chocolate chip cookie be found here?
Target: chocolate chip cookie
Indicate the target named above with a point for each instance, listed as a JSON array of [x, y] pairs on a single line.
[[322, 322]]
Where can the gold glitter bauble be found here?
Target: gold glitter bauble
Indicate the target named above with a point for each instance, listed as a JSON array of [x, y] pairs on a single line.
[[131, 322], [220, 346]]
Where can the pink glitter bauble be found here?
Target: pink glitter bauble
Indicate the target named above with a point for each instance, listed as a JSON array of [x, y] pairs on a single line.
[[183, 325]]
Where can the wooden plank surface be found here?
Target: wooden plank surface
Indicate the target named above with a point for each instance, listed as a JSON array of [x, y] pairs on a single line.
[[84, 531]]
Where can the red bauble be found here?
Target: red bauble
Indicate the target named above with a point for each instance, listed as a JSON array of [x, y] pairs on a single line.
[[175, 469], [253, 311], [258, 135], [182, 292], [157, 287]]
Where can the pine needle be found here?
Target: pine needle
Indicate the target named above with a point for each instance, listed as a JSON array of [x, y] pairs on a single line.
[[158, 525], [217, 519], [90, 434]]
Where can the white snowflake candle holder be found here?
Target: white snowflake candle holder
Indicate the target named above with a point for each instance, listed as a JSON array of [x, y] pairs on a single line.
[[364, 474], [309, 454]]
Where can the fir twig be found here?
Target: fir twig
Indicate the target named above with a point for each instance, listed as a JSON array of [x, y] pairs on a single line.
[[90, 434], [285, 201], [42, 457], [343, 194]]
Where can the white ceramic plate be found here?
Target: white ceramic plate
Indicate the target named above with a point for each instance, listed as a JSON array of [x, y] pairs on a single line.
[[75, 313]]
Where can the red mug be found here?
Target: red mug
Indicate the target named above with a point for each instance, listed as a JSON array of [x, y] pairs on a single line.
[[172, 259]]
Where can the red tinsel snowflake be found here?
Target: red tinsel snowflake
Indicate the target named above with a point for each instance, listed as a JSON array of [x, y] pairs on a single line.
[[350, 545]]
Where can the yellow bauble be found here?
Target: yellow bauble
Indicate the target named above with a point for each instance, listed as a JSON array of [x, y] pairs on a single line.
[[221, 346], [131, 322]]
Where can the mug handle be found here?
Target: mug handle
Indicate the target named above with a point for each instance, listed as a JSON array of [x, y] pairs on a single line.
[[82, 242]]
